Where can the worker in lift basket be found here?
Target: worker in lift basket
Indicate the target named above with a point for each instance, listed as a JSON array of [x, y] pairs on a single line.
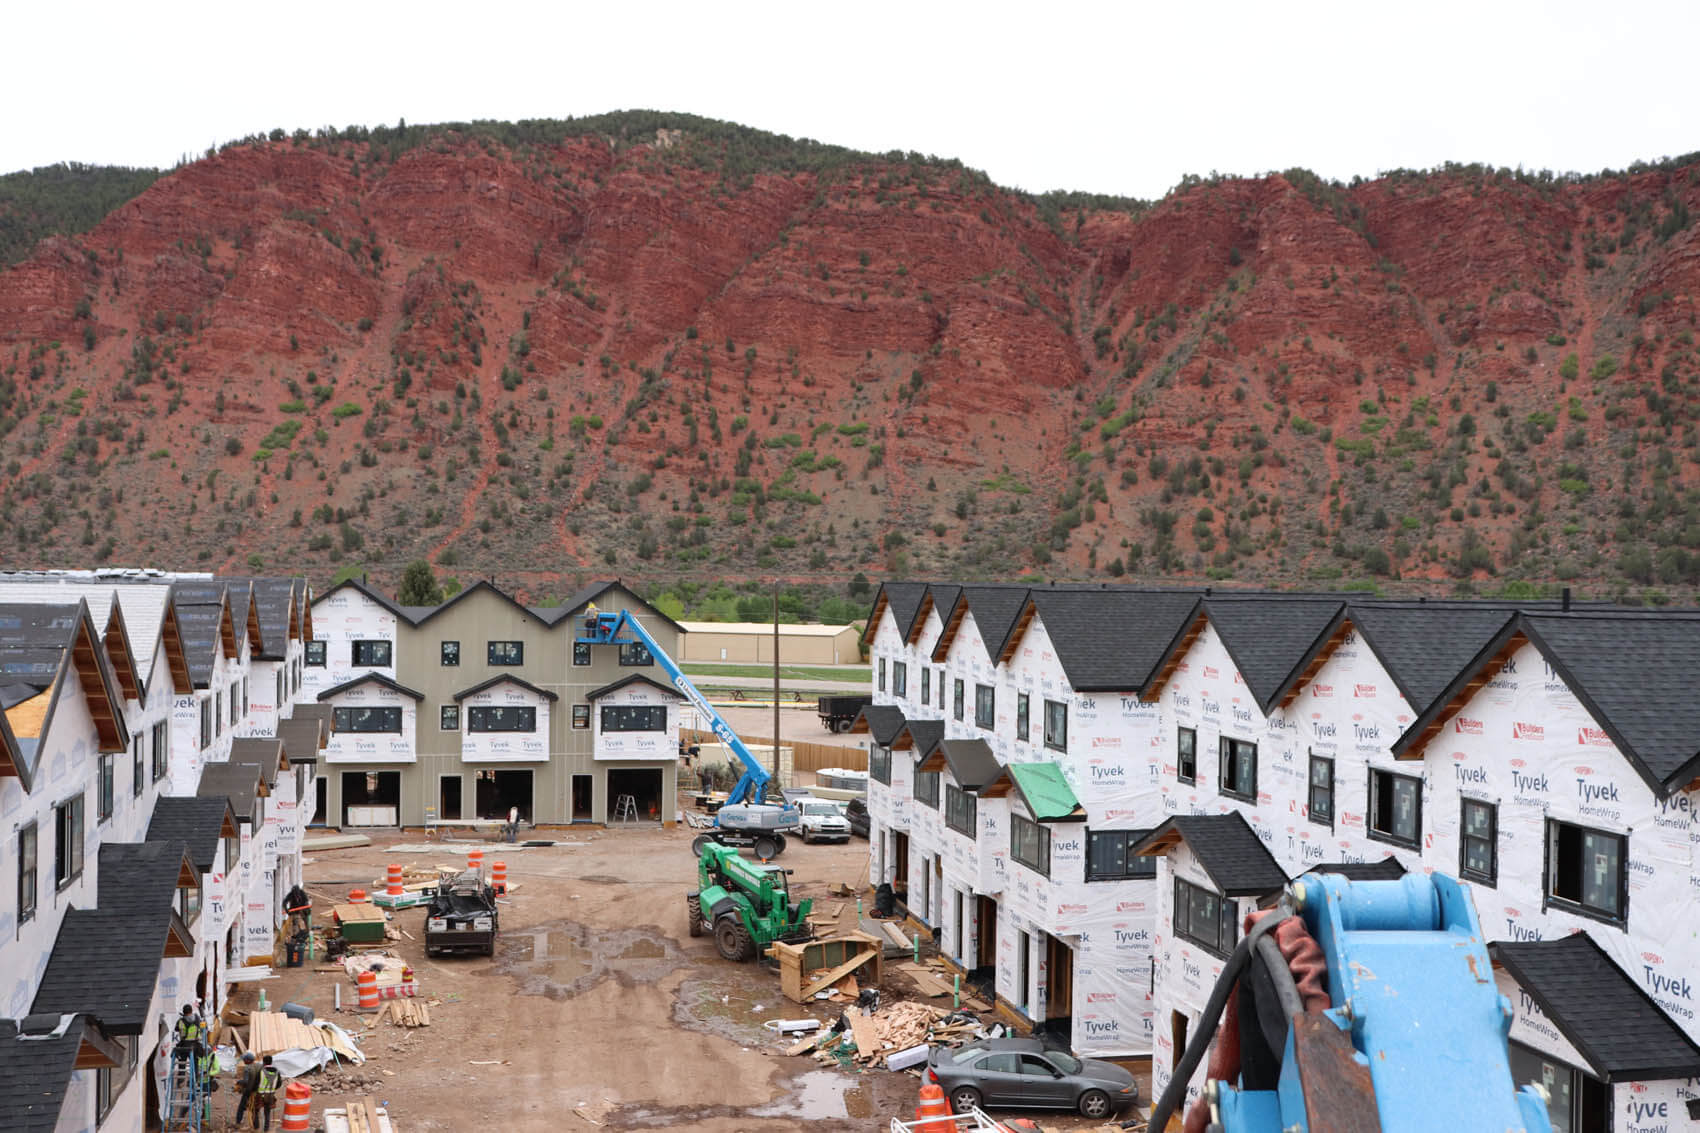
[[265, 1097], [191, 1034]]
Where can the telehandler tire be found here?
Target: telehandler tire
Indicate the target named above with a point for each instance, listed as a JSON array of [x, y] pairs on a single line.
[[733, 941], [693, 916], [700, 841]]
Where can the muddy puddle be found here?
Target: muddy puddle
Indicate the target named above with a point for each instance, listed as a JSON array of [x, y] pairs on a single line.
[[564, 959], [817, 1095]]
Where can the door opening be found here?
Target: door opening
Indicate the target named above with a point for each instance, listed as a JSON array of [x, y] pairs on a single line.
[[448, 797], [900, 864], [321, 795], [643, 785], [371, 798], [498, 792], [986, 954], [584, 798]]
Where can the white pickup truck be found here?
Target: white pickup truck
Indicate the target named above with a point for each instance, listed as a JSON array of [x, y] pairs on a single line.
[[824, 821]]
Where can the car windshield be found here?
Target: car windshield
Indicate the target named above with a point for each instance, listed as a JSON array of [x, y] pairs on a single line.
[[1067, 1063], [825, 809], [967, 1053]]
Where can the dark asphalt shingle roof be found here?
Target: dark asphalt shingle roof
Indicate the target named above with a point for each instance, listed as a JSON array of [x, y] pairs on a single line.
[[373, 678], [238, 782], [1115, 640], [904, 601], [1228, 849], [1602, 1011], [34, 1075], [105, 962], [1270, 638], [264, 752], [274, 598], [924, 735], [300, 738], [1423, 646], [971, 763], [199, 621], [140, 878], [197, 823], [995, 609], [944, 596], [883, 722]]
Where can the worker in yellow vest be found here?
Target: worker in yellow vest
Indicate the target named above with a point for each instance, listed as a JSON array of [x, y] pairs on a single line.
[[265, 1097], [191, 1034]]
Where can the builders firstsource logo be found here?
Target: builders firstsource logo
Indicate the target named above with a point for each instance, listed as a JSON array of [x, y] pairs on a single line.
[[1464, 725], [1363, 692], [1533, 733], [1322, 691], [1592, 737]]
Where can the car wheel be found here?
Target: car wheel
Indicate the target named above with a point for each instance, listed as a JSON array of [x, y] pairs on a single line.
[[1094, 1103], [964, 1098]]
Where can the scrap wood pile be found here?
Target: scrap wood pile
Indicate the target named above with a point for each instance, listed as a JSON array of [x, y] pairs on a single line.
[[364, 1116], [406, 1013], [899, 1027]]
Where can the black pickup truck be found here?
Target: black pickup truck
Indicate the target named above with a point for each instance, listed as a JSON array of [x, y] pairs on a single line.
[[837, 713], [462, 917]]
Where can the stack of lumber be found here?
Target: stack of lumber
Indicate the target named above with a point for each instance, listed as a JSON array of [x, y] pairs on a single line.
[[407, 1012], [271, 1032]]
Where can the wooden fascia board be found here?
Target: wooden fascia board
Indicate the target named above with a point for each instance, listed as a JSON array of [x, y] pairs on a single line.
[[947, 635], [873, 627], [1464, 695], [1316, 663], [108, 717], [1162, 845], [1028, 611], [175, 656], [920, 622], [227, 628], [123, 658], [1154, 691]]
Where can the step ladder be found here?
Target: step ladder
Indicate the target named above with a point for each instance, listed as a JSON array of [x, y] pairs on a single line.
[[625, 809], [182, 1097]]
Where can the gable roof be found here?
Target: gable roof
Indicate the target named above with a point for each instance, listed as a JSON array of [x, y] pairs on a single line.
[[240, 783], [141, 878], [940, 596], [106, 962], [1105, 640], [903, 599], [37, 1055], [1422, 646], [1605, 1014], [919, 736], [995, 609], [509, 678], [196, 822], [360, 587], [370, 678], [1226, 846], [265, 752], [206, 624], [881, 721], [971, 763], [39, 645], [303, 738], [1271, 638], [323, 713], [13, 760], [590, 592], [272, 614], [1045, 792], [482, 586]]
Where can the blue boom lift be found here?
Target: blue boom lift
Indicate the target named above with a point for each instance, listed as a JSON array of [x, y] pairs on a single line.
[[746, 818], [1414, 1038]]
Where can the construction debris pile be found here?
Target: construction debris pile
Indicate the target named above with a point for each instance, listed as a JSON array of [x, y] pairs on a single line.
[[895, 1038]]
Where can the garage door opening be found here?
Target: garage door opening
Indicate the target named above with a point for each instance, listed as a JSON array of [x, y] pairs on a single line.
[[644, 787], [501, 791], [371, 798]]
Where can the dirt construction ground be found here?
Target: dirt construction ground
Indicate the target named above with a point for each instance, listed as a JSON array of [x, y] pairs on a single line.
[[598, 1009]]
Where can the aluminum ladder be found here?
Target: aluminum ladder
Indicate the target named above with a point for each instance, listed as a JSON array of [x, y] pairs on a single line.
[[625, 809], [182, 1097]]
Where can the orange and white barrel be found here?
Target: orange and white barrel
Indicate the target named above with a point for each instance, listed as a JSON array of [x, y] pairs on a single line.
[[499, 876], [368, 991], [297, 1107], [392, 881], [475, 861]]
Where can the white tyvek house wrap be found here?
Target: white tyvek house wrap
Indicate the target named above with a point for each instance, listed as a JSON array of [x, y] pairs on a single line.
[[1653, 1107], [187, 755], [1526, 743], [888, 645], [339, 619], [375, 747], [627, 745]]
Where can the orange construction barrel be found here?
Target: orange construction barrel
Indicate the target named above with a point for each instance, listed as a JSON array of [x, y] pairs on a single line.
[[297, 1105], [368, 981], [934, 1107]]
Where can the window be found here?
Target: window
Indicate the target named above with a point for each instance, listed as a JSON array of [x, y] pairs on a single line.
[[1023, 712], [448, 718], [1030, 844], [371, 654], [449, 654], [218, 713], [107, 770], [634, 718], [926, 685], [899, 679], [1585, 870], [315, 654], [68, 842], [959, 808], [277, 692], [26, 873], [505, 652], [581, 653], [1239, 768], [501, 718], [1056, 725], [364, 719], [956, 699], [581, 715], [1396, 808], [879, 763], [985, 706], [138, 770], [1478, 853], [235, 703], [206, 724], [1023, 973], [1110, 857], [1186, 755], [882, 675], [109, 1081], [1204, 918], [161, 749], [1322, 790], [635, 653], [927, 788], [189, 902]]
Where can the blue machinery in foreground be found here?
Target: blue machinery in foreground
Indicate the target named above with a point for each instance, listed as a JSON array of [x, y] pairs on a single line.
[[746, 817], [1414, 1039]]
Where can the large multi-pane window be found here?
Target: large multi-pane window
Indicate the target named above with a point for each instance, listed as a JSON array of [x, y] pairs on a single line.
[[1320, 807], [1396, 808], [365, 718], [372, 654], [927, 788], [985, 706], [1238, 760], [1478, 850], [1586, 870], [1110, 856], [1030, 844], [959, 810], [504, 652], [634, 718], [508, 718], [1056, 725], [314, 654], [635, 654], [1205, 918]]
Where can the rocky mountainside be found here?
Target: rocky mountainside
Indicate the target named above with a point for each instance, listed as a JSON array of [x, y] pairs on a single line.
[[677, 348]]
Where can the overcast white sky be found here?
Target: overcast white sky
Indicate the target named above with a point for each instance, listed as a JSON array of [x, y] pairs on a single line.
[[1113, 98]]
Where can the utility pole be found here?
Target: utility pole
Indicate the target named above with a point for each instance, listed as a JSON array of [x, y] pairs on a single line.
[[776, 777]]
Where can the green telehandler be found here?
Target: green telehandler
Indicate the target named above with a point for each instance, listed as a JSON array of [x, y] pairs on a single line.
[[746, 905]]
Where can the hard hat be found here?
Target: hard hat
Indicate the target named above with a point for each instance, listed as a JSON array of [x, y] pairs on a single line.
[[247, 1056], [188, 1009]]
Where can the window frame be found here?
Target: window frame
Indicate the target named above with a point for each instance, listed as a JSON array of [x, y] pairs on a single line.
[[107, 781], [1311, 788], [235, 706], [1190, 759], [1229, 750], [29, 850], [635, 655], [985, 706], [161, 750], [656, 711], [1388, 836], [581, 717], [68, 861], [961, 811], [900, 680], [313, 649], [958, 698], [880, 687], [368, 646], [206, 723], [1577, 906], [1490, 876], [929, 779], [495, 650], [581, 654], [448, 654], [446, 713], [342, 719], [879, 764], [478, 719], [1055, 744], [1227, 918], [1147, 869], [926, 686], [1023, 717], [1039, 837], [138, 771]]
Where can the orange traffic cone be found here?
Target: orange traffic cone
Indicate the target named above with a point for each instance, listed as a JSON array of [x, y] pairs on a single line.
[[934, 1107]]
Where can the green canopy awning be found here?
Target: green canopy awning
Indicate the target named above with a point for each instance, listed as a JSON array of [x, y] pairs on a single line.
[[1045, 791]]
